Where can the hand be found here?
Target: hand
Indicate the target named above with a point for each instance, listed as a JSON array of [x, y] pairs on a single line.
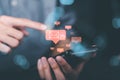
[[64, 73], [12, 30]]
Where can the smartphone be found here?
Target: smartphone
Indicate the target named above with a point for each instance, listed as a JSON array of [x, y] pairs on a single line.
[[74, 59]]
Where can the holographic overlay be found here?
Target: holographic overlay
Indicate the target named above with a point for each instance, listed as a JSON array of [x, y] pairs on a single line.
[[67, 2], [55, 35]]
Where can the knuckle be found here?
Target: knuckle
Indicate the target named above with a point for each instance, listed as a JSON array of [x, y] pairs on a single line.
[[20, 35]]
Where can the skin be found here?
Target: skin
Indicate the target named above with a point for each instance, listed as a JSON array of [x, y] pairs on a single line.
[[12, 30], [67, 73]]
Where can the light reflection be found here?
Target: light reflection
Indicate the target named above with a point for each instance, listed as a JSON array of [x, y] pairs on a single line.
[[54, 16], [67, 2], [21, 61], [116, 23], [115, 61]]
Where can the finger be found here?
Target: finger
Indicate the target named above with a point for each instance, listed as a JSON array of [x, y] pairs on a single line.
[[24, 22], [65, 66], [58, 73], [80, 67], [40, 69], [9, 40], [5, 29], [25, 32], [4, 48], [15, 33], [46, 68], [22, 29]]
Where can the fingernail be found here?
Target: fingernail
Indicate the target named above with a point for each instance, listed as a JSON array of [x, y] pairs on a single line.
[[51, 61], [39, 62], [59, 58], [4, 49], [44, 60]]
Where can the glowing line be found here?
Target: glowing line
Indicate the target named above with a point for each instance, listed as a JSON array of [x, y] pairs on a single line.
[[87, 51]]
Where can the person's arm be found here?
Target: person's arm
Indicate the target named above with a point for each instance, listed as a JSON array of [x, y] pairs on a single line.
[[12, 30], [66, 72]]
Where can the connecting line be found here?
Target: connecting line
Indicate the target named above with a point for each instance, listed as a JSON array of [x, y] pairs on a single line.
[[87, 51]]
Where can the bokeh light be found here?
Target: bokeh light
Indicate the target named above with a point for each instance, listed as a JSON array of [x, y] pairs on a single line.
[[0, 11], [54, 16], [101, 41], [115, 61], [77, 47], [21, 61], [67, 2], [116, 22]]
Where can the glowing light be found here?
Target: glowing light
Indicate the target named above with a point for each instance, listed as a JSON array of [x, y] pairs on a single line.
[[76, 39], [77, 47], [116, 22], [55, 35], [68, 27], [21, 61], [67, 2], [101, 41], [115, 61], [54, 16], [52, 48], [68, 45], [60, 50], [57, 23]]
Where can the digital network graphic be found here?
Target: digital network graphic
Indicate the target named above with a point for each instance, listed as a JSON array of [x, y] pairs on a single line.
[[60, 39]]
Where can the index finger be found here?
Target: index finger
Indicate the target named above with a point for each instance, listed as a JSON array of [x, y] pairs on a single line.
[[65, 66], [24, 22]]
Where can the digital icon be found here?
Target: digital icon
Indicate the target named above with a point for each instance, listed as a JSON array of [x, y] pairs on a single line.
[[52, 48], [76, 39], [68, 27], [55, 35], [60, 50], [68, 45], [57, 23]]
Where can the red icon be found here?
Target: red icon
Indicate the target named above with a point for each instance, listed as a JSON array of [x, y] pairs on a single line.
[[76, 39], [57, 23], [52, 48], [68, 45], [60, 50], [55, 35], [68, 27]]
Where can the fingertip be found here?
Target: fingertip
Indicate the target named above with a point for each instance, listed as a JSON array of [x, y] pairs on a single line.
[[51, 61], [39, 61], [26, 33], [43, 58], [4, 49], [59, 59]]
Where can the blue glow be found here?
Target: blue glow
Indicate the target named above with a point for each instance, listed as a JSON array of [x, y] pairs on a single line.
[[115, 61], [54, 16], [0, 11], [21, 61], [77, 47], [67, 2], [116, 23], [101, 41]]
